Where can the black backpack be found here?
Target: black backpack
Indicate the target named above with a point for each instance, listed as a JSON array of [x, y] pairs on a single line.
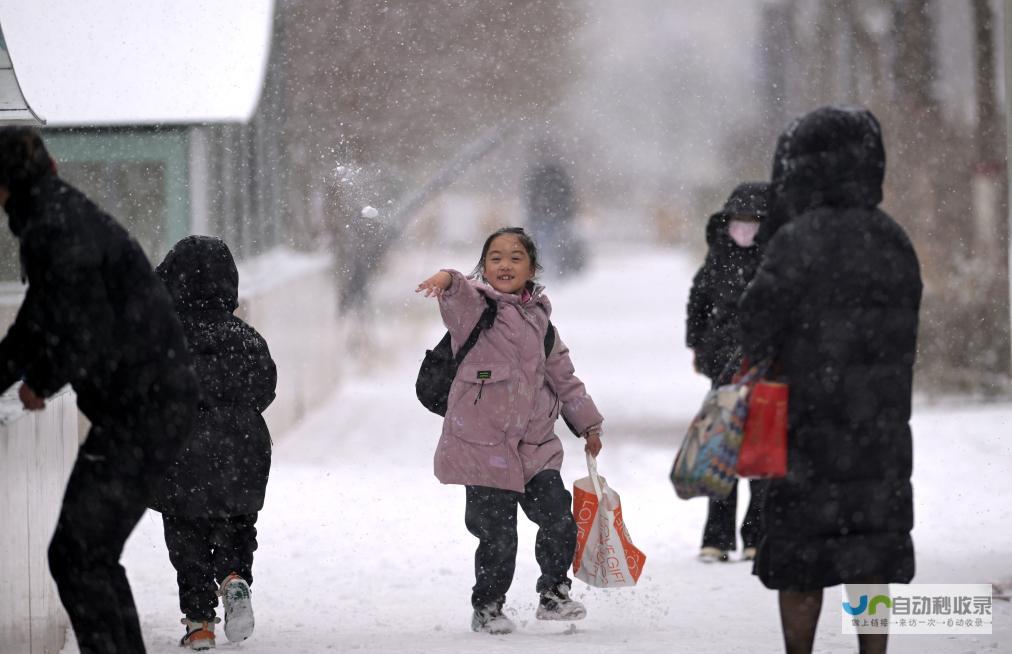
[[439, 367]]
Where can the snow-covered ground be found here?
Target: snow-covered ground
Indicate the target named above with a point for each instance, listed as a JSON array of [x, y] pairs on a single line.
[[361, 549]]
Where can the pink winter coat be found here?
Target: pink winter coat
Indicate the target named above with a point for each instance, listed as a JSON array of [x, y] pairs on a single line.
[[503, 404]]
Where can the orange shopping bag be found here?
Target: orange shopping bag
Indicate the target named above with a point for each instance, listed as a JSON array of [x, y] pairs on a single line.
[[605, 556]]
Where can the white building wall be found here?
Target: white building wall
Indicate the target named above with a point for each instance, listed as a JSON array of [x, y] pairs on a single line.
[[37, 452], [291, 300]]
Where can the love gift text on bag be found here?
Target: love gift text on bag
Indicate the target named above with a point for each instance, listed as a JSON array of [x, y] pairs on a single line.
[[605, 556]]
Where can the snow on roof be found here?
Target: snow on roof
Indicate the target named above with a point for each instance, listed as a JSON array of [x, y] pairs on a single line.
[[118, 62], [13, 106]]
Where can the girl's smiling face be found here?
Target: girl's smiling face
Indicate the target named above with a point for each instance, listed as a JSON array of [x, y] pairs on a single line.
[[507, 265]]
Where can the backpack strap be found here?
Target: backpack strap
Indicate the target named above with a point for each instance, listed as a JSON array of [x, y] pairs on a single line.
[[549, 346], [485, 321], [549, 339]]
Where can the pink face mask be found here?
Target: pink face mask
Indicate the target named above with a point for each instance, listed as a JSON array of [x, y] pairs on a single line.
[[743, 232]]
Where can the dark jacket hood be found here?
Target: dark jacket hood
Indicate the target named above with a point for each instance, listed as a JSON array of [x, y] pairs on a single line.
[[200, 274], [23, 202], [747, 198], [24, 164], [833, 157]]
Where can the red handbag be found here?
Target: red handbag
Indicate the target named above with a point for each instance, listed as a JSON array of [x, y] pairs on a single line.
[[763, 453]]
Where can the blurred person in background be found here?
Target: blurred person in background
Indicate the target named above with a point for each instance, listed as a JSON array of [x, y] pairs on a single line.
[[551, 209], [712, 326]]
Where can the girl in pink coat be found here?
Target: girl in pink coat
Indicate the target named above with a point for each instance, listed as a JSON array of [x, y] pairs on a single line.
[[498, 437]]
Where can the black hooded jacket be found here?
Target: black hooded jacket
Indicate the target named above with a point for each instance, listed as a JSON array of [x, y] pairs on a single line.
[[712, 320], [95, 315], [223, 469], [836, 302]]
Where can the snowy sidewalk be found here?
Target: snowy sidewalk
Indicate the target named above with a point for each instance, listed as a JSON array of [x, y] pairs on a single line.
[[361, 549]]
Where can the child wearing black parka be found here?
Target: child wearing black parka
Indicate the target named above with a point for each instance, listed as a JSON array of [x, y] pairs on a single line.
[[211, 495]]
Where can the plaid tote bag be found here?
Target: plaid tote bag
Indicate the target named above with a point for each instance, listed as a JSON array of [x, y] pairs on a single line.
[[706, 461]]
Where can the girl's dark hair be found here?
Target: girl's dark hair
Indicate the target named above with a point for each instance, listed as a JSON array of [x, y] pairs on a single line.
[[522, 236]]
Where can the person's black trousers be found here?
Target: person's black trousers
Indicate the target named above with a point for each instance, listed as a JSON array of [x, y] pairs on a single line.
[[114, 477], [491, 516], [204, 551], [721, 518]]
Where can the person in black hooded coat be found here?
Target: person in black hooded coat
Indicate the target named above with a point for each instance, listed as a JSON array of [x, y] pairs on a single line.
[[835, 302], [711, 332], [97, 317], [712, 322], [210, 497]]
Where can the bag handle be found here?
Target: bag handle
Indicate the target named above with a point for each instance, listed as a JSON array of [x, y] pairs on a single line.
[[599, 484], [750, 374]]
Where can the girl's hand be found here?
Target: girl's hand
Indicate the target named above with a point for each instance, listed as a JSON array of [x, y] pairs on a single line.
[[594, 445], [435, 285]]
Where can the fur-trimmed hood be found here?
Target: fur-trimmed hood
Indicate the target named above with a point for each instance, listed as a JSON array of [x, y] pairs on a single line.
[[833, 156]]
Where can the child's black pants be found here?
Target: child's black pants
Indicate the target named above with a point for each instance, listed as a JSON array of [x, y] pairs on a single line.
[[206, 550], [491, 516]]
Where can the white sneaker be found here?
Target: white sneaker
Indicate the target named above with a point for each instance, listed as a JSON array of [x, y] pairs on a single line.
[[490, 620], [199, 634], [238, 605], [712, 555], [555, 604]]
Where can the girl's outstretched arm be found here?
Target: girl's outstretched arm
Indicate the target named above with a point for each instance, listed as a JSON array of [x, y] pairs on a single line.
[[436, 284], [460, 303]]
